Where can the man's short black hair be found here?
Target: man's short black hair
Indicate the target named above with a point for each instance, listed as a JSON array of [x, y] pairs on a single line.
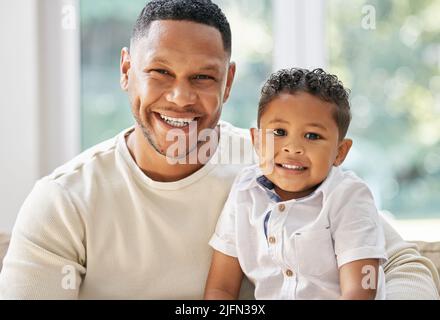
[[200, 11], [317, 83]]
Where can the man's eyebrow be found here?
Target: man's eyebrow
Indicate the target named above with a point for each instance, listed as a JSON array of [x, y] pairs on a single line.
[[159, 60], [210, 67]]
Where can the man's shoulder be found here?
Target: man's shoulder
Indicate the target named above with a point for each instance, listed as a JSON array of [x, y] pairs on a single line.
[[97, 160], [230, 130], [236, 146]]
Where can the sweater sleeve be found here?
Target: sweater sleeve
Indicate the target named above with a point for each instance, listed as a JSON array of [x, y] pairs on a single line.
[[408, 275], [46, 256]]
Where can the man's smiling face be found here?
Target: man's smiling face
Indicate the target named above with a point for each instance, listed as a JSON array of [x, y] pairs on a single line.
[[178, 73]]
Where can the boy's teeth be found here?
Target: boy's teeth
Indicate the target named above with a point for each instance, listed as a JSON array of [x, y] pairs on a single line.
[[288, 166], [177, 122]]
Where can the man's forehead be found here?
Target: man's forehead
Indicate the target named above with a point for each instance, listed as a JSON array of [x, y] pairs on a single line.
[[171, 57], [179, 53]]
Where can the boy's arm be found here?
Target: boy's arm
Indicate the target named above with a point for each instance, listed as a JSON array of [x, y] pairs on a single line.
[[224, 278], [358, 279]]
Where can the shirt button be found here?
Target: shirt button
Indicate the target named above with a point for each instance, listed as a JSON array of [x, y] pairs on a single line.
[[272, 240], [289, 273], [282, 207]]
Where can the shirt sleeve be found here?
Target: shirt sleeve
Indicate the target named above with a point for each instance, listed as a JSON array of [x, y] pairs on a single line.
[[46, 255], [224, 237], [355, 226]]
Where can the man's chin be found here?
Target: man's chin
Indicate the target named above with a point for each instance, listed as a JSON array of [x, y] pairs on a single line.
[[175, 150], [176, 144]]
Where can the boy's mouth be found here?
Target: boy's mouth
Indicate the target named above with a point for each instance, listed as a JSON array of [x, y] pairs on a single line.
[[292, 167]]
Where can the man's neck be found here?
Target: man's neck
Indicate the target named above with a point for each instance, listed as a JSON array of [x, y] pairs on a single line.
[[155, 165]]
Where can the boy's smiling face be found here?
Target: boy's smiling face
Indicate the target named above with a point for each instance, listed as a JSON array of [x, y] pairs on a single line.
[[306, 143]]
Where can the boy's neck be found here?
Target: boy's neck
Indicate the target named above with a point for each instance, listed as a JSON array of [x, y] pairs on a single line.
[[287, 195]]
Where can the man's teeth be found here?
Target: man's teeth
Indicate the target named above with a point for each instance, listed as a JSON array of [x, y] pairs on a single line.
[[177, 122], [288, 166]]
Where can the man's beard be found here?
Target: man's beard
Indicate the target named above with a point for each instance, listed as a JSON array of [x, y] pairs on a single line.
[[149, 137], [147, 134]]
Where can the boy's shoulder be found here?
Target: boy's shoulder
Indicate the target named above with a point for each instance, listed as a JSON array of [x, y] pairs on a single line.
[[345, 186], [346, 179]]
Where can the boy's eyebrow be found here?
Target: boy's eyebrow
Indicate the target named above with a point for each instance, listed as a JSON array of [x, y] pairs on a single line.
[[312, 124], [276, 120], [318, 125]]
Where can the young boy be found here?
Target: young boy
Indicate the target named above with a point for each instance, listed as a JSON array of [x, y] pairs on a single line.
[[297, 225]]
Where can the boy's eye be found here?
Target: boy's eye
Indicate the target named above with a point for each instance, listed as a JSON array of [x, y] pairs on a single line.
[[279, 132], [312, 136]]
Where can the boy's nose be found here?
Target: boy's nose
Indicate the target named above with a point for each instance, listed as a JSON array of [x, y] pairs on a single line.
[[294, 148]]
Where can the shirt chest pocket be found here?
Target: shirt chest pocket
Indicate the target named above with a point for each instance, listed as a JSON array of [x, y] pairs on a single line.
[[315, 252]]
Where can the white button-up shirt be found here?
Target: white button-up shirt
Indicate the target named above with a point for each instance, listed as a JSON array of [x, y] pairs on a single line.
[[294, 249]]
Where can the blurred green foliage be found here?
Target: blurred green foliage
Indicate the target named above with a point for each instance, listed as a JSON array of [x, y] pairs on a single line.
[[393, 72]]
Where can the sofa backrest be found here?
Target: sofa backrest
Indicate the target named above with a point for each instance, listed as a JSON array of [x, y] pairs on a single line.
[[4, 242]]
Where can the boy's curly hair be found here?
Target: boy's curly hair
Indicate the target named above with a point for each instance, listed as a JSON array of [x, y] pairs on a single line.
[[317, 83]]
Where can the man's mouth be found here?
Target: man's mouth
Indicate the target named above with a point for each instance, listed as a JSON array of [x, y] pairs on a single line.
[[177, 122]]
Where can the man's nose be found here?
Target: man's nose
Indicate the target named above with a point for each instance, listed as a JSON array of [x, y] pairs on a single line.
[[294, 146], [181, 94]]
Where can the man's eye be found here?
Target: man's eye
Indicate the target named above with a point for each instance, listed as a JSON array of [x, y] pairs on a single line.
[[312, 136], [202, 77], [161, 71], [279, 132]]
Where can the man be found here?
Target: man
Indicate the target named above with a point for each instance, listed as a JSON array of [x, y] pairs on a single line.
[[129, 219]]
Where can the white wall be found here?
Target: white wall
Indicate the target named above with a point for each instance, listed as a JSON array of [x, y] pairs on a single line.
[[39, 97]]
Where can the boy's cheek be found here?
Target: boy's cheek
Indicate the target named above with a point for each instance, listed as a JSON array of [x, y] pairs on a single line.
[[267, 165]]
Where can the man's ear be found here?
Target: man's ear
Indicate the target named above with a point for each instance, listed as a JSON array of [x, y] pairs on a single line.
[[125, 66], [343, 149], [229, 81]]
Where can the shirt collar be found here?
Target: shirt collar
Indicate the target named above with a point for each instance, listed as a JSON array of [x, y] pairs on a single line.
[[260, 180]]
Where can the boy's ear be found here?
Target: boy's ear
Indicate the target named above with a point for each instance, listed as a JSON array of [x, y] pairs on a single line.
[[255, 139], [343, 149]]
